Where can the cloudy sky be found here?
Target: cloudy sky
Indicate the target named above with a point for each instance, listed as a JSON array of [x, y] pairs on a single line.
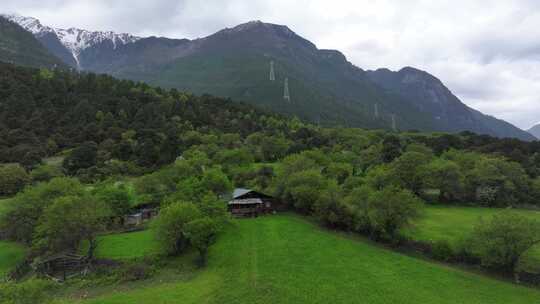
[[486, 51]]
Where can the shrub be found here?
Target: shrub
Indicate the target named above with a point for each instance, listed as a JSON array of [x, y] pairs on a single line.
[[33, 291], [502, 241], [135, 272], [442, 251], [170, 225], [13, 178]]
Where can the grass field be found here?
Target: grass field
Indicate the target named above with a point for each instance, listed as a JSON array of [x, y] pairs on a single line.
[[10, 255], [127, 246], [286, 259], [453, 224]]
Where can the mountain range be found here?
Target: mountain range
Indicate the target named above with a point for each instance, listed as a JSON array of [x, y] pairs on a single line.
[[324, 87]]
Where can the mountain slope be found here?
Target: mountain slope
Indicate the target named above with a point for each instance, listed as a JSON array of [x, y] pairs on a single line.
[[21, 47], [235, 63], [431, 96], [535, 131]]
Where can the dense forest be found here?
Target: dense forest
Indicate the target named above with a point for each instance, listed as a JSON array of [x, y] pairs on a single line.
[[43, 112], [183, 153]]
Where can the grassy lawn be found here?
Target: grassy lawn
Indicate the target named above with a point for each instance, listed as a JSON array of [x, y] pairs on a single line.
[[125, 246], [286, 259], [10, 255], [455, 223]]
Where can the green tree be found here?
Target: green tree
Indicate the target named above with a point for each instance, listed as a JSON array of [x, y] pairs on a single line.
[[409, 169], [339, 171], [216, 181], [201, 234], [328, 207], [446, 176], [68, 222], [420, 148], [82, 157], [502, 241], [31, 159], [170, 226], [118, 199], [357, 207], [380, 176], [303, 189], [234, 157], [506, 182], [214, 208], [389, 210], [23, 212], [274, 147], [13, 178], [391, 148]]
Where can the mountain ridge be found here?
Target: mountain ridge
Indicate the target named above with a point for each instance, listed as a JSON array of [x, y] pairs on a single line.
[[73, 39], [324, 86], [21, 47]]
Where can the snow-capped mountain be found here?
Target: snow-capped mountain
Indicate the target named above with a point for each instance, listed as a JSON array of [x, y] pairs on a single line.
[[234, 63], [75, 40]]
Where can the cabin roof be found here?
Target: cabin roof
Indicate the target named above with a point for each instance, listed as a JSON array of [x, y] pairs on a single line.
[[240, 191]]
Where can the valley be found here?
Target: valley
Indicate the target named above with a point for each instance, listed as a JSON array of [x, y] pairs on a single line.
[[249, 165]]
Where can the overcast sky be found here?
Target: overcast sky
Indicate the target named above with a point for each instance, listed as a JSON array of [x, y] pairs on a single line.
[[486, 51]]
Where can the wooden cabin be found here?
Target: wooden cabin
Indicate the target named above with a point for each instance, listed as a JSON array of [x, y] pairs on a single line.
[[250, 203]]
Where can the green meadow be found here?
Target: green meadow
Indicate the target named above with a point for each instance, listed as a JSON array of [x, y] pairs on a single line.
[[454, 224], [11, 254], [126, 246], [287, 259]]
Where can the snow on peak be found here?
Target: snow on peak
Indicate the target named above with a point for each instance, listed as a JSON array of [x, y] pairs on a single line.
[[74, 39], [28, 23]]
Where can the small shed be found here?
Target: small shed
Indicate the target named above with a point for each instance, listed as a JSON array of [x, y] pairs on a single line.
[[249, 203], [141, 214]]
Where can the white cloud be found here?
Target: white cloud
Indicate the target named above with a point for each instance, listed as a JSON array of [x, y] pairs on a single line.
[[487, 52]]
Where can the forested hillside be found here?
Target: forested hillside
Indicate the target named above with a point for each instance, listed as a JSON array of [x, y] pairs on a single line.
[[43, 112], [86, 151]]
